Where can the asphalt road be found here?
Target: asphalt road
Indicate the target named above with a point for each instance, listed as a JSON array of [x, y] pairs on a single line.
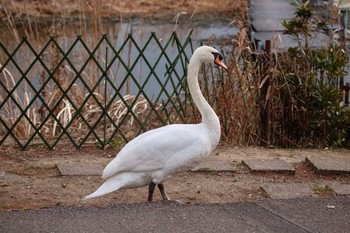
[[293, 215]]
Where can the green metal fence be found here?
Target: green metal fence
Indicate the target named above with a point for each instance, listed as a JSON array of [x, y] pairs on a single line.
[[103, 94]]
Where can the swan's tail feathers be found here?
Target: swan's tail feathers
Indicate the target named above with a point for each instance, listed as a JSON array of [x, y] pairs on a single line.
[[110, 169], [110, 185]]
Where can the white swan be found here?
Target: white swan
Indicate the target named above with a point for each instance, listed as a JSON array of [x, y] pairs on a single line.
[[156, 155]]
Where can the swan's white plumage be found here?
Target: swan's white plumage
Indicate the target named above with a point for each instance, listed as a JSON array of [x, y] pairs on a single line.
[[160, 153], [155, 149]]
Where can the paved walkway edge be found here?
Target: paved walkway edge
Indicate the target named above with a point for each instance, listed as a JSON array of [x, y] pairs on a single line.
[[298, 215]]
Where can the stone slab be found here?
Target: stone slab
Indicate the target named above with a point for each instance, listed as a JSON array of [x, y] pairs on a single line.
[[211, 165], [341, 189], [287, 190], [329, 165], [80, 169], [269, 165], [7, 179]]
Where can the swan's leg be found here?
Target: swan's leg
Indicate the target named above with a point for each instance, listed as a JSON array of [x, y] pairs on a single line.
[[151, 191], [162, 191]]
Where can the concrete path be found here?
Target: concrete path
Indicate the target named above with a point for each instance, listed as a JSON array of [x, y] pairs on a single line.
[[323, 165], [294, 215], [330, 165]]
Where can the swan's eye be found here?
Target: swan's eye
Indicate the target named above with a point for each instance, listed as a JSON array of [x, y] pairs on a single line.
[[217, 56], [218, 60]]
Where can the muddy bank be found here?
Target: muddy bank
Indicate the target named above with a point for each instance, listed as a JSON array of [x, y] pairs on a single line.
[[67, 10]]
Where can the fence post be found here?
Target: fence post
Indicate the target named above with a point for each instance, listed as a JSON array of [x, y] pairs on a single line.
[[346, 88], [266, 110], [105, 101], [341, 82]]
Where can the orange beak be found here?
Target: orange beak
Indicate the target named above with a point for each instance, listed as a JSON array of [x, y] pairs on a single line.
[[220, 63]]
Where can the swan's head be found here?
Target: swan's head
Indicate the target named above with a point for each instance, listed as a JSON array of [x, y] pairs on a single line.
[[208, 54]]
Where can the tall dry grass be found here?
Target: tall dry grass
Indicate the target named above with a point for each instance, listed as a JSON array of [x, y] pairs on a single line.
[[235, 94]]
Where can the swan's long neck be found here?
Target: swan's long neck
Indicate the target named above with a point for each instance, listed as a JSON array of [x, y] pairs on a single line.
[[209, 118]]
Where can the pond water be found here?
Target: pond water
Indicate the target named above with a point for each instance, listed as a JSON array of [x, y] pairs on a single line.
[[116, 32]]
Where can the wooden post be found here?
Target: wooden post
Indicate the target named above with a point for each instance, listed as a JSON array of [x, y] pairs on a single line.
[[347, 88], [345, 26], [266, 114], [341, 83]]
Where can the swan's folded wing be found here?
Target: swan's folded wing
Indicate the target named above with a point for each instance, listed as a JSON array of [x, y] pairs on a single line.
[[152, 150]]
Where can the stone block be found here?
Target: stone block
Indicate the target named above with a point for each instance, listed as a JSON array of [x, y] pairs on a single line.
[[80, 169], [269, 165], [213, 165], [330, 165], [287, 190]]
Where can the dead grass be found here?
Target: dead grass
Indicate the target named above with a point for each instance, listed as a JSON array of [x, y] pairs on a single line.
[[235, 94]]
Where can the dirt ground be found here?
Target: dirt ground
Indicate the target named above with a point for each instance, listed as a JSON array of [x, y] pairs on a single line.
[[30, 179]]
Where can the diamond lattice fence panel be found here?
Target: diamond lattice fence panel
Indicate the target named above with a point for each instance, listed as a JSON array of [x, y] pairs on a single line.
[[105, 93]]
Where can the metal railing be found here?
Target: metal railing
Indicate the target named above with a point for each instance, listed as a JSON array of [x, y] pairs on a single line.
[[102, 94]]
